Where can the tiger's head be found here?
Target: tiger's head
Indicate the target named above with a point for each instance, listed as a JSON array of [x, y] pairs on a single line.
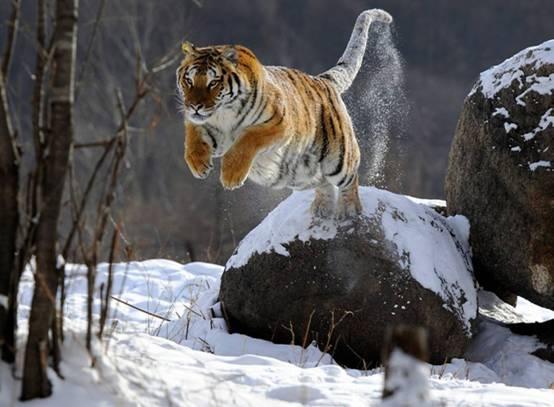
[[207, 79]]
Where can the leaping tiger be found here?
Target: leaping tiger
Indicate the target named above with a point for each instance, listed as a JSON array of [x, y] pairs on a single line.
[[277, 126]]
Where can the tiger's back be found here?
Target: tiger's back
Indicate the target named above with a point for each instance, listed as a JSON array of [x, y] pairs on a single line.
[[320, 135]]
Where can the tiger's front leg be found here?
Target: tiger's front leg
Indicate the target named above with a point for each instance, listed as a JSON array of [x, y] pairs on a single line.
[[198, 153], [237, 161], [235, 167]]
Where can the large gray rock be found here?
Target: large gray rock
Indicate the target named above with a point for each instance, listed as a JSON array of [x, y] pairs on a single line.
[[297, 279], [501, 175]]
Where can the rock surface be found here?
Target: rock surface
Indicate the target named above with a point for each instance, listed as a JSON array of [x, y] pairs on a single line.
[[501, 175], [296, 279]]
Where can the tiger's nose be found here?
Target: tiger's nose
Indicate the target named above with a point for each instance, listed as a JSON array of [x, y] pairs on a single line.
[[196, 107]]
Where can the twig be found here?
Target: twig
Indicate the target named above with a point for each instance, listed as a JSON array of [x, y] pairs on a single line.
[[85, 63], [84, 198], [198, 314], [330, 333], [99, 143], [12, 34], [139, 309]]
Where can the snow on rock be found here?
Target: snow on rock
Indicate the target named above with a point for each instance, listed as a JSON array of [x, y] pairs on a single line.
[[503, 75], [538, 164], [529, 76], [509, 127], [432, 203], [428, 245], [290, 220], [502, 112], [543, 85], [546, 121]]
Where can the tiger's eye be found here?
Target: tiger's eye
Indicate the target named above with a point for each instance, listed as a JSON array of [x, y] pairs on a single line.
[[213, 83]]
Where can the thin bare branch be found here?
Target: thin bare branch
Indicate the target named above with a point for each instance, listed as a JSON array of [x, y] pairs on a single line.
[[139, 309], [12, 35], [38, 91], [84, 199], [106, 299], [99, 143], [88, 52]]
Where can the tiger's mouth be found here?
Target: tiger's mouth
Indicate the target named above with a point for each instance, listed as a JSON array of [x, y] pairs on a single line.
[[198, 117]]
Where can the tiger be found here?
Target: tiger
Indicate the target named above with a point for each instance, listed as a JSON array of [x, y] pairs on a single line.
[[276, 126]]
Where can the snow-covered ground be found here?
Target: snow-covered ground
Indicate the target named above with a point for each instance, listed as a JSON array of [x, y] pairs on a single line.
[[193, 361]]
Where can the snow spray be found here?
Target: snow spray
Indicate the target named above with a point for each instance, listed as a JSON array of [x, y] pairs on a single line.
[[379, 109]]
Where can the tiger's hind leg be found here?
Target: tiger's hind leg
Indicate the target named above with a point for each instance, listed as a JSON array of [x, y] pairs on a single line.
[[349, 204], [323, 205], [341, 170]]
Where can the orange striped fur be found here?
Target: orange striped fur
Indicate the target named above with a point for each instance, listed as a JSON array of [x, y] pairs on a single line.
[[276, 126]]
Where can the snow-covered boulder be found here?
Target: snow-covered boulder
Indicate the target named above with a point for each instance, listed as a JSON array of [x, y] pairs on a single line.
[[298, 279], [501, 175]]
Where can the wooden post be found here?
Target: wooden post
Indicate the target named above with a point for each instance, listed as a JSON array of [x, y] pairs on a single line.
[[404, 352]]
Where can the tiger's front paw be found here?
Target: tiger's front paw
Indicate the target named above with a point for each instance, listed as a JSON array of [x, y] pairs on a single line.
[[200, 164], [234, 171]]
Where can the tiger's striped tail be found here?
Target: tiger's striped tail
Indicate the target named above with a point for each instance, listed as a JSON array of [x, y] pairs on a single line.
[[343, 73]]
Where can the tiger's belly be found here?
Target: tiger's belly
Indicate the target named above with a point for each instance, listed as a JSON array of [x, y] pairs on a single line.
[[286, 167]]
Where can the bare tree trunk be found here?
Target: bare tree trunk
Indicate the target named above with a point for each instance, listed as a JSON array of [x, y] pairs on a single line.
[[35, 379], [8, 223], [9, 213]]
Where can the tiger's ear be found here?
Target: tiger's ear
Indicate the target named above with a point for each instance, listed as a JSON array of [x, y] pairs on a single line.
[[230, 53], [188, 48]]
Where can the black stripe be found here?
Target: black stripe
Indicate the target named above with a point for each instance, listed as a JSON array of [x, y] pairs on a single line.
[[308, 85], [247, 67], [243, 112], [261, 107], [262, 110], [302, 96], [209, 130], [253, 97], [289, 74], [297, 162], [341, 144], [271, 118], [283, 167], [338, 132], [180, 72], [248, 52], [345, 181], [230, 85], [330, 78], [338, 169], [280, 120], [231, 91], [234, 79], [335, 110], [324, 136]]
